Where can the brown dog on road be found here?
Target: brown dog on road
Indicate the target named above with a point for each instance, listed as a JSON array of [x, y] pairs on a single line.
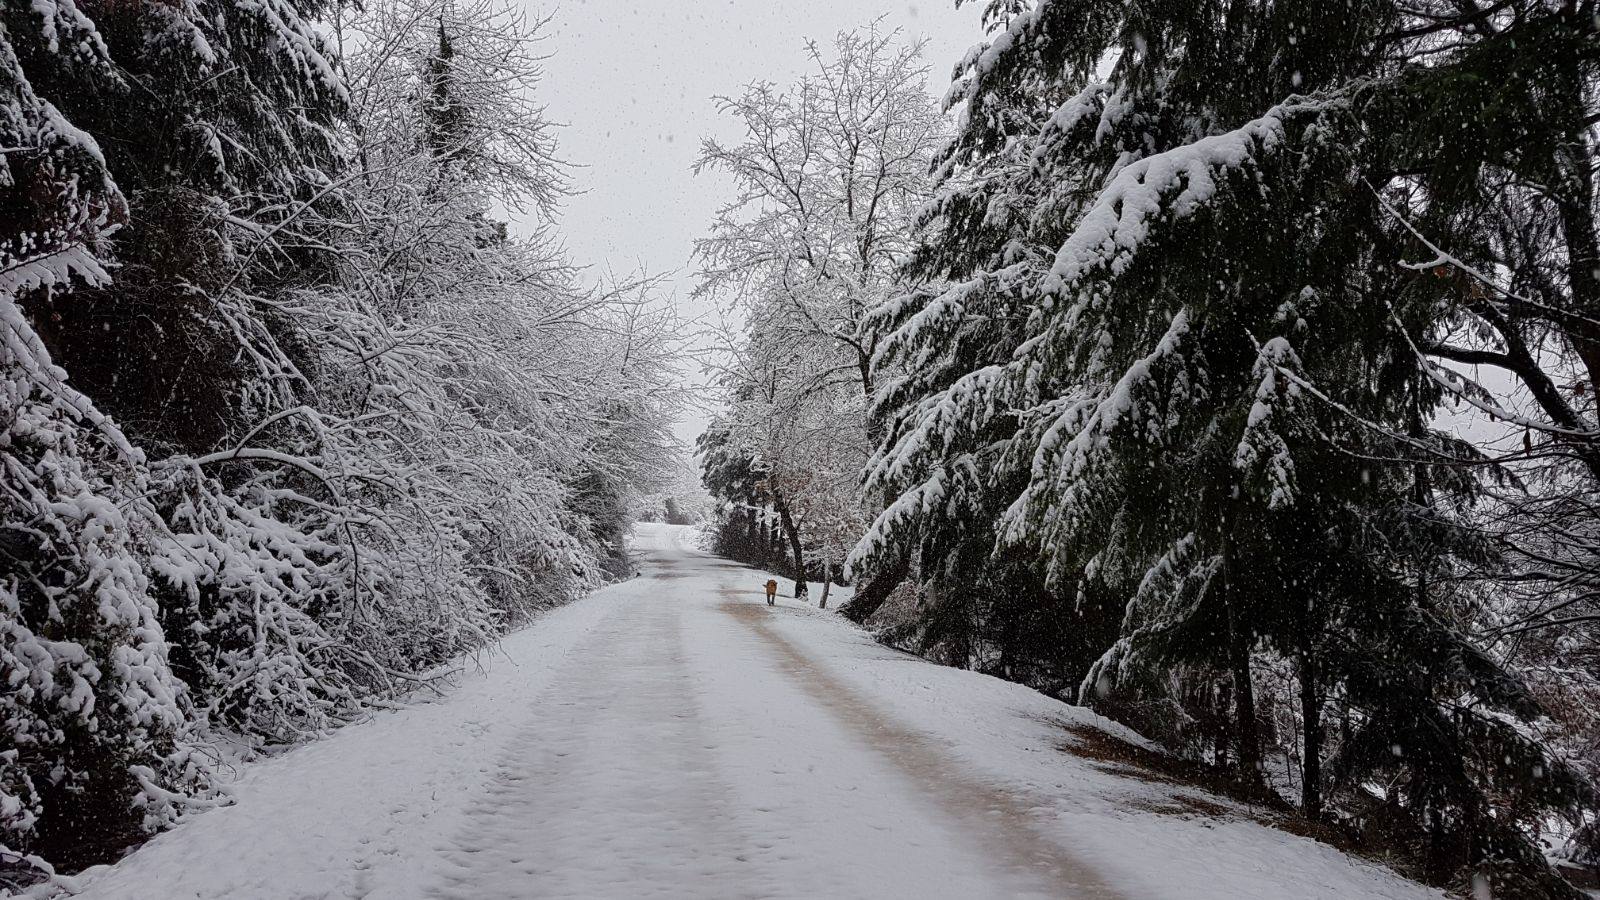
[[772, 592]]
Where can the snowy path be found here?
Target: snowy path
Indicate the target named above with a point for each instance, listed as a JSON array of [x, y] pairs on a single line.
[[675, 737]]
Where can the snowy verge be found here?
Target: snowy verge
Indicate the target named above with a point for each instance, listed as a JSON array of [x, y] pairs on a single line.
[[1149, 837]]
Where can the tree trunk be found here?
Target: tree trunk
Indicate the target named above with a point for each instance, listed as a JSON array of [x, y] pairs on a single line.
[[1244, 694], [827, 583], [1438, 864], [875, 429], [1311, 715], [1574, 163], [793, 532], [750, 547], [1575, 167], [873, 594]]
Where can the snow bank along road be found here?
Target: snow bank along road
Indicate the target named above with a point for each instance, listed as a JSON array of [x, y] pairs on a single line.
[[676, 737]]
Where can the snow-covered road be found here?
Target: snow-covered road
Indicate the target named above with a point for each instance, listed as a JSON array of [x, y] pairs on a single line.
[[676, 737]]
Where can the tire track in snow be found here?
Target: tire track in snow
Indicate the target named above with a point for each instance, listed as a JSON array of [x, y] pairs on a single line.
[[579, 806], [1001, 820]]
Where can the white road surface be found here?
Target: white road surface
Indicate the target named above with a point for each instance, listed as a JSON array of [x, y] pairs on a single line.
[[676, 737]]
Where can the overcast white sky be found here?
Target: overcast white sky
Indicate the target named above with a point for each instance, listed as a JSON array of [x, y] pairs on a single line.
[[633, 81]]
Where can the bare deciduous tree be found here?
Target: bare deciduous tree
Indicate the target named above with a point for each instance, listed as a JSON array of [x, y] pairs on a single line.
[[830, 175]]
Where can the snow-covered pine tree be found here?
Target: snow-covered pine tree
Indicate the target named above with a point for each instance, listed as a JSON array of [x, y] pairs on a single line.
[[92, 720], [1176, 363], [219, 120], [1502, 219], [216, 119], [736, 478]]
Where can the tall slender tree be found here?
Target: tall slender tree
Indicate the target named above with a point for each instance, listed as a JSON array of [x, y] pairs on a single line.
[[830, 172]]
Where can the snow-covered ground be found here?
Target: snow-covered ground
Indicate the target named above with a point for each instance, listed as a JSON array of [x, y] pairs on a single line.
[[675, 737]]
